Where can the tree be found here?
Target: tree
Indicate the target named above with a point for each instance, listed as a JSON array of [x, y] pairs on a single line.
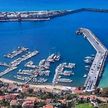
[[38, 104], [30, 91], [4, 103], [104, 92]]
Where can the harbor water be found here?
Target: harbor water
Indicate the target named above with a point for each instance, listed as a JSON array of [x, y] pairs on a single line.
[[56, 35]]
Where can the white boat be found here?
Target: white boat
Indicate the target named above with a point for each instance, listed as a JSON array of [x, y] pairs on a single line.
[[87, 66], [88, 61], [85, 76], [64, 80]]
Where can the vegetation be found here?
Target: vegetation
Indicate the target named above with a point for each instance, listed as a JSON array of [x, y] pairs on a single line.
[[39, 104], [4, 103], [103, 105], [104, 93], [59, 99], [85, 105]]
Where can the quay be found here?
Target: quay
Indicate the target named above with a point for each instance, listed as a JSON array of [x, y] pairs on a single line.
[[97, 66]]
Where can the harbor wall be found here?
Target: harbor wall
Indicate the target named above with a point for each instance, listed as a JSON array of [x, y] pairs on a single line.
[[98, 64]]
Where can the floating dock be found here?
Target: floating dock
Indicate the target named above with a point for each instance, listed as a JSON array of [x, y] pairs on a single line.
[[4, 64], [60, 71], [97, 66], [23, 58], [7, 71]]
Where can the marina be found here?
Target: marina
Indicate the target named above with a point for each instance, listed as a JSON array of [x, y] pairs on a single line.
[[13, 65], [80, 70], [40, 70], [97, 66]]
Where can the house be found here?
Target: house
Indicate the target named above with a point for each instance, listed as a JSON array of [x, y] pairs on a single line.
[[48, 106]]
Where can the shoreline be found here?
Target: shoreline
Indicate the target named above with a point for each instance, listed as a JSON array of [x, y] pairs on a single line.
[[46, 15], [104, 81], [51, 87]]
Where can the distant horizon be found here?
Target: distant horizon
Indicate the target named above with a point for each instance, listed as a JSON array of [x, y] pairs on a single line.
[[10, 5]]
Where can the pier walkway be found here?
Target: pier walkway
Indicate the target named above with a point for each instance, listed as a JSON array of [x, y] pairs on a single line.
[[96, 69]]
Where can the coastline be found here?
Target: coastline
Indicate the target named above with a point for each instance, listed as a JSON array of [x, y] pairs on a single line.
[[20, 16], [51, 87], [104, 81]]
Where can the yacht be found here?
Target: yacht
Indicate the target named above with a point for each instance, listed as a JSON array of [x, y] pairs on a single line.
[[64, 80], [85, 76]]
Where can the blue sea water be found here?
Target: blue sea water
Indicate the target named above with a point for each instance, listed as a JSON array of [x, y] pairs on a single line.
[[50, 4], [56, 35]]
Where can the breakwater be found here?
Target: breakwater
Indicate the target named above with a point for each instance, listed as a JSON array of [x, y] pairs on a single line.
[[97, 66], [43, 15]]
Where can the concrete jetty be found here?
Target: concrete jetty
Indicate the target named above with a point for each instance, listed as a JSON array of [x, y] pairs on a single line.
[[97, 66]]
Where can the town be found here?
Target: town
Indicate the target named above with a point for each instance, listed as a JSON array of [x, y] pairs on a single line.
[[30, 88]]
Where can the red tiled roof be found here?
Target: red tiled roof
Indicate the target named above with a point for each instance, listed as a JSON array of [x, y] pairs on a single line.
[[2, 97], [63, 101], [48, 106], [88, 96]]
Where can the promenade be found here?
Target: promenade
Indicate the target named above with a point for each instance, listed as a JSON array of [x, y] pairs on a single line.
[[97, 66]]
